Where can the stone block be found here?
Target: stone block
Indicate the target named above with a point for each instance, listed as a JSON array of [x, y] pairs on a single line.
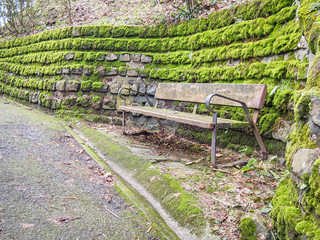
[[132, 73], [302, 161], [77, 71], [124, 57], [314, 132], [34, 98], [83, 101], [142, 88], [151, 89], [112, 72], [142, 120], [122, 72], [65, 71], [55, 104], [315, 110], [72, 86], [111, 57], [261, 224], [108, 104], [140, 100], [282, 130], [87, 71], [101, 71], [126, 90], [53, 86], [144, 74], [146, 59], [76, 31], [104, 88], [136, 57], [134, 90], [114, 88], [59, 72], [101, 58], [69, 56], [61, 86], [97, 105]]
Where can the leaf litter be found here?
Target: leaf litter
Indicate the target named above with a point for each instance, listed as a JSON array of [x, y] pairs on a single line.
[[225, 195]]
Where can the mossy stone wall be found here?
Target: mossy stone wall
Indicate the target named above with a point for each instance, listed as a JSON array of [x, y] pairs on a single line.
[[78, 71]]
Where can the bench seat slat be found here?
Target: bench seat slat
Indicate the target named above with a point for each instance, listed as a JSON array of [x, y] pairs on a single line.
[[186, 118]]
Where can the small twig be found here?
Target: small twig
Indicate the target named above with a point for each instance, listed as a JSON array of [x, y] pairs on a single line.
[[256, 180], [55, 208], [220, 170], [223, 202], [105, 236], [234, 164], [112, 213], [149, 230], [73, 198], [42, 205], [225, 218], [164, 160]]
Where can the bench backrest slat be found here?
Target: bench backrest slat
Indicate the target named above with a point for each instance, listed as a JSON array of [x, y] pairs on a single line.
[[252, 94]]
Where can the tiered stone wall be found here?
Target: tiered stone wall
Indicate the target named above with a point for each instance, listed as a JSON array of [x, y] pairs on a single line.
[[79, 70]]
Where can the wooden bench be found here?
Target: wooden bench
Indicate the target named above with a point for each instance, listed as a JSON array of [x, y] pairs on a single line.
[[247, 96]]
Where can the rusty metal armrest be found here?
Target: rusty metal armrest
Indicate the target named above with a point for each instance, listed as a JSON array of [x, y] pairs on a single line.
[[249, 118], [244, 105], [124, 99]]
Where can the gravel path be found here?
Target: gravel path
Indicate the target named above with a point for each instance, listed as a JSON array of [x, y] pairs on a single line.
[[51, 189]]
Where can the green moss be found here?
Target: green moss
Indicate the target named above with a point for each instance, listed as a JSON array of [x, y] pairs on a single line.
[[299, 138], [247, 229], [314, 75], [96, 99], [96, 86], [267, 122], [82, 101], [86, 86], [286, 214]]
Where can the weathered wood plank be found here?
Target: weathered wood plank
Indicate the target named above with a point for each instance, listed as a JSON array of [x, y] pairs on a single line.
[[252, 94], [182, 117]]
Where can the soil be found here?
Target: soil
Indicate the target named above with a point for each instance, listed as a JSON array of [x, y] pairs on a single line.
[[51, 15]]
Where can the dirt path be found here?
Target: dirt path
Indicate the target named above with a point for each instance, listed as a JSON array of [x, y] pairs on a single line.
[[51, 189]]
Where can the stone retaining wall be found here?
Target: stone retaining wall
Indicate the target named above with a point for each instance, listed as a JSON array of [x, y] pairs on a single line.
[[78, 70]]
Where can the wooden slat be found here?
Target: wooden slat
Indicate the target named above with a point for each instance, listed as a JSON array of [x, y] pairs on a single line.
[[186, 118], [252, 94]]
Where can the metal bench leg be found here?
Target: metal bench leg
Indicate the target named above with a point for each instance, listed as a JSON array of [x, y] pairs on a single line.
[[213, 139], [261, 144], [213, 147], [124, 121]]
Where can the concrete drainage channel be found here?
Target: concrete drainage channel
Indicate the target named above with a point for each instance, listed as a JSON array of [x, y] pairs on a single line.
[[114, 157]]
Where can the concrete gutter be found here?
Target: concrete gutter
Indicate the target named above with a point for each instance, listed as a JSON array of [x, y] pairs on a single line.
[[175, 208]]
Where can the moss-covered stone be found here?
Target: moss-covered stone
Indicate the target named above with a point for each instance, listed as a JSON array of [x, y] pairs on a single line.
[[247, 229]]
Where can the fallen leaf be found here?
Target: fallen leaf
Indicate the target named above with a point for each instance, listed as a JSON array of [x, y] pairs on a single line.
[[26, 225], [67, 163], [153, 178], [64, 219]]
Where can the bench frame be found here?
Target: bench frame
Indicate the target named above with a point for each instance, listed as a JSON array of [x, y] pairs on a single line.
[[214, 122]]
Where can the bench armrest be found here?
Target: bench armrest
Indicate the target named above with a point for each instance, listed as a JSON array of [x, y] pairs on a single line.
[[124, 99], [244, 105]]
